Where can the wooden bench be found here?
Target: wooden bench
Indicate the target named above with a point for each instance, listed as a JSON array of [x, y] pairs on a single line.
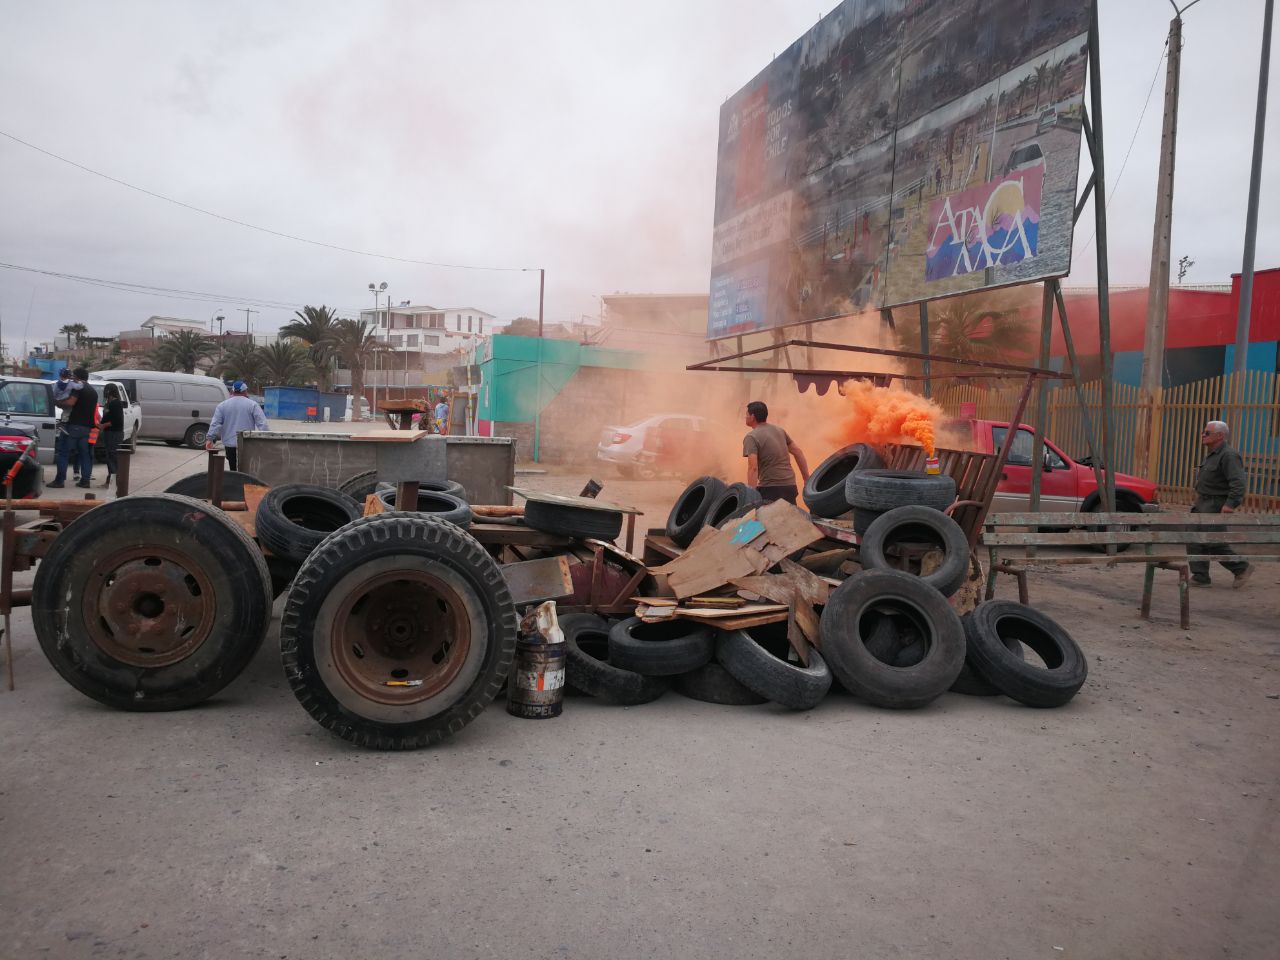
[[1169, 541]]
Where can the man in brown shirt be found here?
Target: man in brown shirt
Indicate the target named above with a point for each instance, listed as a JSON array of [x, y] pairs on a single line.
[[768, 450]]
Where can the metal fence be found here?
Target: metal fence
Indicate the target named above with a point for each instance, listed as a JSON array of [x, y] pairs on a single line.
[[1178, 416]]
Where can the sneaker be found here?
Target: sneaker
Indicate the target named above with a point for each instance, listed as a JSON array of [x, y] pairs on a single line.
[[1201, 582], [1242, 577], [56, 484]]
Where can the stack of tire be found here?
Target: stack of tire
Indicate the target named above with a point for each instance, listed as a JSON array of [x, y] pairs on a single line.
[[630, 662], [709, 502]]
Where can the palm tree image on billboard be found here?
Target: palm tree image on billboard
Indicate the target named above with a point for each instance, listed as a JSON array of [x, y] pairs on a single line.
[[899, 151]]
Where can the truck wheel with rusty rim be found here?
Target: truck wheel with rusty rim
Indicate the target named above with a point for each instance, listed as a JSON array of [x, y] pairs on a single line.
[[154, 602], [398, 631]]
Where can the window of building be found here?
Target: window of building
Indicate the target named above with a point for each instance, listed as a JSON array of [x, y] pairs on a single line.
[[457, 319], [480, 325], [468, 323], [413, 340], [397, 341], [430, 340]]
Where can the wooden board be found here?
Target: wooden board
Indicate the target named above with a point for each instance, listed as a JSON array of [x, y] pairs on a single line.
[[714, 560]]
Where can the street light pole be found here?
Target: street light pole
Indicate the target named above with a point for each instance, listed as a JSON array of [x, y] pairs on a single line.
[[376, 290]]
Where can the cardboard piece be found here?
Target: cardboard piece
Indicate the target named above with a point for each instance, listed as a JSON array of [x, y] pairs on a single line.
[[714, 560]]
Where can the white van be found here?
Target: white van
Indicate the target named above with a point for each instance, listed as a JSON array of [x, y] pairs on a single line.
[[23, 400], [176, 407]]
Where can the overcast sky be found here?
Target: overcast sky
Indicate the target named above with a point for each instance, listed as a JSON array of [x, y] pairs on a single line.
[[575, 135]]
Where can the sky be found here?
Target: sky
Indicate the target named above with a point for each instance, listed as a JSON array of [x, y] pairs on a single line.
[[570, 135]]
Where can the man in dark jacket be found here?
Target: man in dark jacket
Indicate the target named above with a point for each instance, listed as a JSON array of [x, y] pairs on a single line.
[[1219, 489], [82, 402]]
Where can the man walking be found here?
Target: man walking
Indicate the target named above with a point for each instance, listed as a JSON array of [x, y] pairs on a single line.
[[769, 450], [81, 402], [441, 414], [233, 416], [1219, 489]]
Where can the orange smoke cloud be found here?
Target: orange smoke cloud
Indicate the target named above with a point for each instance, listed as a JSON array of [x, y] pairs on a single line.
[[880, 415]]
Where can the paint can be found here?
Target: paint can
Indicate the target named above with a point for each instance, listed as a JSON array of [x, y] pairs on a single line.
[[932, 467], [535, 690]]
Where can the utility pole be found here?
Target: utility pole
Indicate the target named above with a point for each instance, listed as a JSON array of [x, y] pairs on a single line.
[[246, 311], [1146, 460], [542, 289], [1251, 218]]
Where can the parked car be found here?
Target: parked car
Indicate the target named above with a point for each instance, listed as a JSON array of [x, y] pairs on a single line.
[[18, 448], [178, 406], [1066, 485], [27, 401], [664, 443]]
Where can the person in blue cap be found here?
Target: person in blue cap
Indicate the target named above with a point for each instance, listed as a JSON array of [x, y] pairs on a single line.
[[233, 416]]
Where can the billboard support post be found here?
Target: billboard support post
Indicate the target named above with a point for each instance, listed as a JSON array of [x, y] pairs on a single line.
[[1042, 399], [1108, 491], [1090, 436], [924, 348]]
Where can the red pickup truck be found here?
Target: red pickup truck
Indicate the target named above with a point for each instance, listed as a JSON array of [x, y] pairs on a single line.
[[1066, 485]]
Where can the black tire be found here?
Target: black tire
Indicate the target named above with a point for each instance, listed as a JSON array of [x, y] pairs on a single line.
[[442, 506], [282, 571], [197, 485], [737, 500], [824, 492], [761, 665], [585, 523], [587, 666], [848, 618], [664, 649], [1124, 504], [359, 487], [451, 487], [1050, 683], [919, 525], [115, 598], [690, 509], [886, 489], [712, 683], [863, 518], [451, 624], [196, 435], [971, 682], [293, 518]]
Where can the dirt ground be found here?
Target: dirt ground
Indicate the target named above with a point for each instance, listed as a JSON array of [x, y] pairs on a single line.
[[1140, 821]]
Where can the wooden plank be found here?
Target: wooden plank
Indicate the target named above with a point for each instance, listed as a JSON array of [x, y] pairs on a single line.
[[746, 623], [796, 636], [750, 610], [535, 581], [814, 589], [1083, 538], [1077, 560], [1132, 519]]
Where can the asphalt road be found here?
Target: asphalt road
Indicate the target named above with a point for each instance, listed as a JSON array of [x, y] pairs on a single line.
[[1138, 822]]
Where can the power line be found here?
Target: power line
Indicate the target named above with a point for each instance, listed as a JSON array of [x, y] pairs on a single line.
[[150, 290], [254, 226]]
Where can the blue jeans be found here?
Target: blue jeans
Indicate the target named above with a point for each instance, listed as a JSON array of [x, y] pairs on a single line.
[[74, 446]]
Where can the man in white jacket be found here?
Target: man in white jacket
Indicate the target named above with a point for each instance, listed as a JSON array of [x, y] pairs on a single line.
[[234, 415]]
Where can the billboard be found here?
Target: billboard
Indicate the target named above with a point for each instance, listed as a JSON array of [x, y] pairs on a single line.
[[899, 151]]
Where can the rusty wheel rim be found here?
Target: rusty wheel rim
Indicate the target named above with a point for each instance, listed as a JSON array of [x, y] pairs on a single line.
[[400, 637], [148, 606]]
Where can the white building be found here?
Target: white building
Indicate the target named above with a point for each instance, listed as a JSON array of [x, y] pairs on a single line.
[[425, 329], [164, 326]]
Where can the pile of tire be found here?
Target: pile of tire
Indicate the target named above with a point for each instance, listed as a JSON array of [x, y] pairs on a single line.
[[630, 662], [892, 640], [709, 502]]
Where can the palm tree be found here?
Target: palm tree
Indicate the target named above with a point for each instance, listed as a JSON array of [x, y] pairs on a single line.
[[183, 351], [1041, 81], [315, 328], [972, 328], [354, 342], [76, 330], [241, 360], [284, 364]]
